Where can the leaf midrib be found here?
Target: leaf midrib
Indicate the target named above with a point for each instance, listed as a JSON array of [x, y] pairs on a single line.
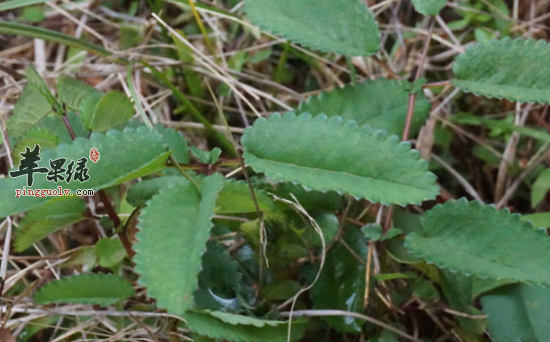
[[423, 189]]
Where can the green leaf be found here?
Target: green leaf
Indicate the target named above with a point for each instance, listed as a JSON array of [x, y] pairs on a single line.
[[124, 155], [238, 328], [220, 273], [31, 107], [329, 224], [345, 27], [35, 135], [381, 104], [47, 219], [540, 187], [88, 106], [477, 239], [458, 289], [109, 252], [176, 143], [236, 198], [33, 14], [17, 29], [113, 109], [141, 192], [512, 69], [341, 285], [429, 7], [86, 288], [311, 200], [518, 312], [541, 220], [176, 222], [200, 155], [36, 81], [54, 124], [73, 92], [206, 157], [215, 155], [326, 154]]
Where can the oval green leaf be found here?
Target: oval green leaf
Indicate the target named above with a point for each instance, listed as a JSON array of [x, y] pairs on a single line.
[[478, 239], [124, 155], [516, 70], [346, 27], [177, 223], [47, 219], [381, 104], [328, 154], [86, 288]]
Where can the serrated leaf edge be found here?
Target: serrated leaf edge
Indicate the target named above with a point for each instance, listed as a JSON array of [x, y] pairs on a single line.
[[69, 279], [339, 121], [316, 45], [505, 212], [497, 42], [144, 211]]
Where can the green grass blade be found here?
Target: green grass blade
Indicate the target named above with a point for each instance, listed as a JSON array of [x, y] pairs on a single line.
[[52, 36], [14, 4]]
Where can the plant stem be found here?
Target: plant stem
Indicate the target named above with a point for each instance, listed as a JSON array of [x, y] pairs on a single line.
[[106, 202], [410, 109], [412, 97]]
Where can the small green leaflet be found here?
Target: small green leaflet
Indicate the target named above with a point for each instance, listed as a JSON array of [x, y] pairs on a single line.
[[125, 155], [516, 70], [236, 198], [31, 107], [381, 104], [342, 26], [112, 109], [540, 187], [176, 143], [109, 252], [86, 288], [327, 154], [478, 239], [36, 81], [47, 219], [176, 222], [429, 7], [73, 92]]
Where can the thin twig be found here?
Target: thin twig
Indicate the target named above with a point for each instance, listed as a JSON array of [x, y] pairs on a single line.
[[106, 203]]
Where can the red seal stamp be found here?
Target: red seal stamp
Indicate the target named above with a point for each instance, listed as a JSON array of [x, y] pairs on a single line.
[[94, 155]]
